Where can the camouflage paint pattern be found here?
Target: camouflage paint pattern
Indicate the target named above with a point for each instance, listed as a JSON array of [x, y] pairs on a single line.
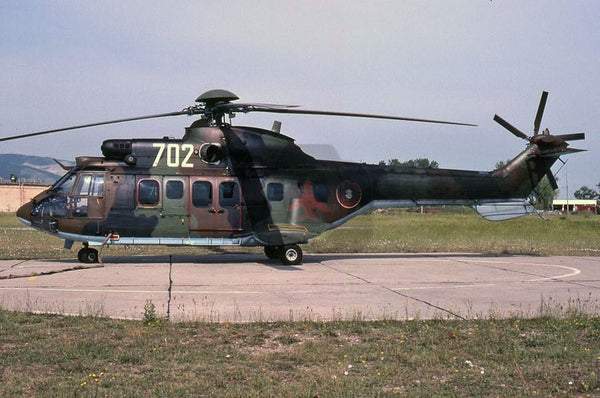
[[251, 186]]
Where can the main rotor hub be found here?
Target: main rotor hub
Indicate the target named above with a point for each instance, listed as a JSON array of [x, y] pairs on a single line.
[[211, 100], [213, 97]]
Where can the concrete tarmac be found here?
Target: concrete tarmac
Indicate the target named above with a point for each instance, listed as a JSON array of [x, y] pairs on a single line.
[[247, 287]]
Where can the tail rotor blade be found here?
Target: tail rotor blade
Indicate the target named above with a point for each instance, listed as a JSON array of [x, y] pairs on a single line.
[[571, 137], [552, 180], [540, 112], [510, 127]]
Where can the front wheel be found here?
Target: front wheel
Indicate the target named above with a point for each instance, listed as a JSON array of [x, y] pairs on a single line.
[[291, 255]]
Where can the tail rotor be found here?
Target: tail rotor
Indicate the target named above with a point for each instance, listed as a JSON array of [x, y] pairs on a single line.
[[548, 144]]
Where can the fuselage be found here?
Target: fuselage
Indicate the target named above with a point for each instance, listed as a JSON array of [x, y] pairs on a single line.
[[245, 186]]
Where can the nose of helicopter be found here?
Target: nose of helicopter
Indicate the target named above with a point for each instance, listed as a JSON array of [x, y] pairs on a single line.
[[24, 213]]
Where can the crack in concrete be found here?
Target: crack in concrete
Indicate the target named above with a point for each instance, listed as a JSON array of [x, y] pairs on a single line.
[[394, 291]]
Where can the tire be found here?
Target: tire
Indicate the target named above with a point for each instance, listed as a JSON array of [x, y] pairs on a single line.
[[291, 255], [81, 254], [91, 256], [273, 252], [87, 255]]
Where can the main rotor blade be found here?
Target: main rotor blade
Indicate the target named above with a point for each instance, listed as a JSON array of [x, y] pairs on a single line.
[[252, 107], [540, 112], [14, 137], [571, 137], [287, 109], [510, 127]]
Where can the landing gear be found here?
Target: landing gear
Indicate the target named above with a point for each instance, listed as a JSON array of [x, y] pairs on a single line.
[[289, 255], [273, 252], [87, 255]]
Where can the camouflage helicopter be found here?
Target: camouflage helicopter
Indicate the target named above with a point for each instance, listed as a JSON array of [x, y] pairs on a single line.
[[231, 185]]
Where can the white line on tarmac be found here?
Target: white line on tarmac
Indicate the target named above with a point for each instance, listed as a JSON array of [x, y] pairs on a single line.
[[573, 271]]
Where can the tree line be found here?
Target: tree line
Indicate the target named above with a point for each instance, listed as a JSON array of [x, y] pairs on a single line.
[[586, 192]]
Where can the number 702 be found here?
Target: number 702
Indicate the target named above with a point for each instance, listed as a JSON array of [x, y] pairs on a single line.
[[174, 154]]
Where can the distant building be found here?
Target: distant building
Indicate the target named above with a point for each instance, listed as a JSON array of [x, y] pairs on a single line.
[[13, 196], [576, 205]]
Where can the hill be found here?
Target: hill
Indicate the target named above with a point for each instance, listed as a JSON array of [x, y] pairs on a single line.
[[29, 168]]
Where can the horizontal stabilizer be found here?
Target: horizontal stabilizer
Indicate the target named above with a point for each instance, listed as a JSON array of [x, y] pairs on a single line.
[[500, 211], [560, 152]]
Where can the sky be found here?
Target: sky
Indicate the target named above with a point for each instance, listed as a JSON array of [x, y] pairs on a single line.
[[65, 63]]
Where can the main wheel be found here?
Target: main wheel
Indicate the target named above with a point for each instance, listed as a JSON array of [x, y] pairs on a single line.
[[81, 254], [87, 255], [291, 255], [92, 256], [273, 252]]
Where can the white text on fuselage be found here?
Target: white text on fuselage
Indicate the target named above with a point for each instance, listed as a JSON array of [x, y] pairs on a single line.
[[176, 155]]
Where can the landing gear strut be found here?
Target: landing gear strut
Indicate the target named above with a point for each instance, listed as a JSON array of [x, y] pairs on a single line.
[[87, 255], [289, 255]]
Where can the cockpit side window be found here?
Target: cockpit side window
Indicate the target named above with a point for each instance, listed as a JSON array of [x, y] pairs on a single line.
[[83, 188], [97, 188], [90, 185]]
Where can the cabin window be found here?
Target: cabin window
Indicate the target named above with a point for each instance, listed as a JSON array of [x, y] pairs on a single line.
[[275, 192], [229, 194], [174, 189], [202, 193], [320, 192], [148, 192]]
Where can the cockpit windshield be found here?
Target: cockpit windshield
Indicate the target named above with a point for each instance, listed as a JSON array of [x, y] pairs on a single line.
[[65, 184]]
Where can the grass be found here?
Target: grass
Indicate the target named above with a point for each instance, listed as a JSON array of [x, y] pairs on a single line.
[[466, 233], [393, 231], [556, 353], [51, 355]]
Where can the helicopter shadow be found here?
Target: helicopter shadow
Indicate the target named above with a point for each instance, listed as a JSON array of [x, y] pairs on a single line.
[[244, 258], [166, 259], [205, 259]]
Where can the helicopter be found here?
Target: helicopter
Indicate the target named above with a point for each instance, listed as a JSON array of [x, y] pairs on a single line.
[[223, 185]]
